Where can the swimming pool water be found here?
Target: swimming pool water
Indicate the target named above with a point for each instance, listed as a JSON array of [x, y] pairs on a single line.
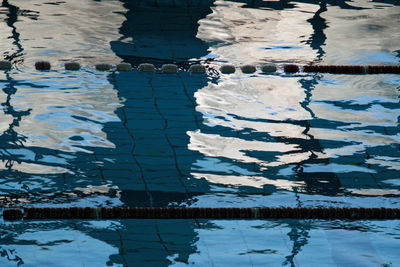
[[92, 138], [201, 243]]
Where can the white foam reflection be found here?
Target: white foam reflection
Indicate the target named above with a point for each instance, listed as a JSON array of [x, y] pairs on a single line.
[[245, 180], [58, 113], [257, 35], [55, 114], [68, 30]]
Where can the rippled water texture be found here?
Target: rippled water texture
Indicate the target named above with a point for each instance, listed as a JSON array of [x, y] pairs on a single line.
[[202, 243], [93, 138], [140, 139]]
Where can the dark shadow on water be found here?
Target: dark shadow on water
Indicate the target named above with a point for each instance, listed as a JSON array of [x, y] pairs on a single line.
[[169, 100], [170, 37], [151, 153], [158, 111], [151, 163], [159, 108]]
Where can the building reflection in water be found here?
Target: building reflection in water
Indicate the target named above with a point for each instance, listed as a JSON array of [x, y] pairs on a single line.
[[285, 111], [137, 139]]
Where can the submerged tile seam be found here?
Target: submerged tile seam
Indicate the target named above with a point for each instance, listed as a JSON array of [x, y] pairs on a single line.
[[161, 239], [245, 243], [146, 186], [124, 123], [100, 168], [191, 101], [121, 250], [168, 139], [372, 175], [196, 121]]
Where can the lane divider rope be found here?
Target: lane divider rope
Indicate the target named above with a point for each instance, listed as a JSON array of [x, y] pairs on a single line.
[[225, 68], [200, 213]]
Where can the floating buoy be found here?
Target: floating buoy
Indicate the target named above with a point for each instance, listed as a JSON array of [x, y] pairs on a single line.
[[72, 66], [169, 68], [147, 67], [291, 68], [103, 66], [197, 68], [248, 69], [268, 68], [12, 214], [124, 67], [5, 65], [42, 65], [227, 69]]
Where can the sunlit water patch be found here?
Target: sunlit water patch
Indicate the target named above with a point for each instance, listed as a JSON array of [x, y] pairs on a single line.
[[52, 121], [91, 138], [155, 139], [206, 242]]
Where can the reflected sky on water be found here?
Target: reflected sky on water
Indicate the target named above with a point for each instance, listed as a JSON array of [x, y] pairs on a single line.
[[330, 135], [93, 138], [213, 243]]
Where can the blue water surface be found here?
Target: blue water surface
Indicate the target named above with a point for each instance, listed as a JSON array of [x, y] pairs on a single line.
[[93, 138]]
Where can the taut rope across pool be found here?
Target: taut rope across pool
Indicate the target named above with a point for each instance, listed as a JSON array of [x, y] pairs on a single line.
[[226, 68], [201, 213]]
